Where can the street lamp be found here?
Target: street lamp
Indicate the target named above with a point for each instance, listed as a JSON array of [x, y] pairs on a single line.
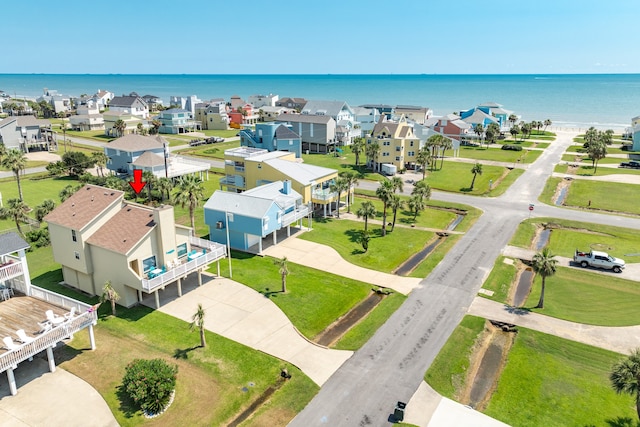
[[166, 154]]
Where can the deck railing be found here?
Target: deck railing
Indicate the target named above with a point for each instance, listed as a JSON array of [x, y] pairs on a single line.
[[214, 253], [10, 271], [87, 316]]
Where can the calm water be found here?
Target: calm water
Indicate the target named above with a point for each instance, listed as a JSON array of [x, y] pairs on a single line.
[[603, 100]]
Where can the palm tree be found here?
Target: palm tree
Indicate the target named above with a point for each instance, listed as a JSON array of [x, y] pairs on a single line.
[[151, 180], [422, 189], [17, 210], [479, 130], [384, 192], [372, 152], [44, 208], [597, 150], [625, 377], [423, 159], [100, 160], [164, 185], [547, 123], [339, 185], [395, 203], [120, 127], [416, 204], [367, 210], [514, 131], [357, 147], [197, 322], [110, 294], [397, 183], [190, 193], [476, 170], [492, 132], [433, 143], [351, 178], [363, 238], [446, 144], [16, 161], [69, 191], [155, 127], [512, 119], [283, 269], [544, 264]]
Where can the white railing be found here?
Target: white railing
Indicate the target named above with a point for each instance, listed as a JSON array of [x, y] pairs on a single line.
[[204, 243], [149, 285], [10, 271], [291, 217], [323, 195], [87, 316]]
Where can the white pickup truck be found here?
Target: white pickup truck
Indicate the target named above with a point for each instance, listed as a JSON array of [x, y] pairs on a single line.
[[598, 260]]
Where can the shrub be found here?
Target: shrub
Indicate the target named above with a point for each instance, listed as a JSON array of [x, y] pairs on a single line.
[[512, 147], [39, 237], [150, 383]]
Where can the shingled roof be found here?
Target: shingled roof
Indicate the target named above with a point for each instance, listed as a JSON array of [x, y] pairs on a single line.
[[135, 142], [83, 206], [124, 230], [11, 242]]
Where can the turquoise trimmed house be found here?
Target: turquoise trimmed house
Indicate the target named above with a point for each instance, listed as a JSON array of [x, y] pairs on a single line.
[[272, 137]]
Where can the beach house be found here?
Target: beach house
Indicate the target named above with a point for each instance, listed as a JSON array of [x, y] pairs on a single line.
[[97, 237], [129, 104], [398, 144], [347, 127], [272, 137], [212, 115], [318, 133], [247, 168], [414, 113], [25, 133], [177, 120], [246, 219]]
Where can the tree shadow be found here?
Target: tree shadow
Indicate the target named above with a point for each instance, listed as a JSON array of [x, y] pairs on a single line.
[[623, 422], [127, 406], [269, 293], [466, 189], [518, 311], [180, 353], [353, 235]]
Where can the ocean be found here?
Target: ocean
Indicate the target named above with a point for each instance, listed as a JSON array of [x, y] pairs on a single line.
[[576, 101]]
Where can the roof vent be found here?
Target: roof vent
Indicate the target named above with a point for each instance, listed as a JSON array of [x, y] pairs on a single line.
[[92, 198], [73, 204], [106, 193], [128, 209]]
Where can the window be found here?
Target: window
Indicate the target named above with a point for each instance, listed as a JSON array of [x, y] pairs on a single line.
[[397, 159], [149, 264], [411, 144], [385, 154], [77, 255], [73, 236], [411, 153], [182, 249], [386, 143]]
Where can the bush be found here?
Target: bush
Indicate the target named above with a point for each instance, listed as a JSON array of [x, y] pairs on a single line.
[[150, 383], [512, 147], [38, 238]]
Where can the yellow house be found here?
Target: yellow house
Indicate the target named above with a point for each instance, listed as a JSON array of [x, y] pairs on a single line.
[[97, 237], [111, 117], [247, 168], [398, 143]]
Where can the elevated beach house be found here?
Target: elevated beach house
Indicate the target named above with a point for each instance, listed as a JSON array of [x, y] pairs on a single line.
[[97, 237], [398, 144], [246, 219], [25, 132], [248, 168], [272, 137], [24, 308]]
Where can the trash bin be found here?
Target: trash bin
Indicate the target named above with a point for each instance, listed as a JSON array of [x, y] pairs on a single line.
[[398, 413]]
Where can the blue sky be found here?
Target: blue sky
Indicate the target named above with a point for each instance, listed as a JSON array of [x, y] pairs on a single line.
[[320, 37]]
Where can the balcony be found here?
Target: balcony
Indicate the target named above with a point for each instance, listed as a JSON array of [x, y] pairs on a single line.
[[24, 312], [323, 195], [298, 213], [209, 252], [11, 269]]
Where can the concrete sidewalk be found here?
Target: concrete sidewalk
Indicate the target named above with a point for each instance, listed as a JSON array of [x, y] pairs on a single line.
[[243, 315], [327, 259], [619, 339]]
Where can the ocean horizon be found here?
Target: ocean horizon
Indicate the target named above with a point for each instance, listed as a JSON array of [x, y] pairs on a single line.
[[569, 100]]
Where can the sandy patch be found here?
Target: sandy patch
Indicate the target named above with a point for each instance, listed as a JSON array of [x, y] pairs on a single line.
[[43, 156]]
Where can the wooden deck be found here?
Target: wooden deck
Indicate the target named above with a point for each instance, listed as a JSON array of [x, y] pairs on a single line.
[[22, 312]]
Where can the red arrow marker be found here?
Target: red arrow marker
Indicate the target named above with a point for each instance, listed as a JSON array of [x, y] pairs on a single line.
[[137, 183]]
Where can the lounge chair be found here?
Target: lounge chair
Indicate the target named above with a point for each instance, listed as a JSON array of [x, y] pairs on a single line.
[[22, 336], [44, 327], [71, 314], [9, 344], [54, 319]]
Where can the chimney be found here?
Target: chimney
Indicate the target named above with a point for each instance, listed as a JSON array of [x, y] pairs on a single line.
[[166, 237], [286, 187]]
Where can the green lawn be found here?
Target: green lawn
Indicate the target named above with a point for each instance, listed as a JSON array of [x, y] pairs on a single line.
[[314, 298], [456, 177], [550, 381], [549, 190], [95, 135], [500, 280], [346, 161], [587, 170], [215, 151], [547, 381], [182, 213], [385, 253], [611, 196], [448, 372], [498, 155], [585, 297], [585, 160], [221, 133]]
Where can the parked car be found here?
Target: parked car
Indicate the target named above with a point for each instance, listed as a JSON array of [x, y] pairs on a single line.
[[598, 260], [633, 164]]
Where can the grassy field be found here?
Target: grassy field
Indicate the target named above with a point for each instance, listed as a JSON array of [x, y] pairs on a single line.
[[549, 190], [94, 135], [215, 151], [549, 381], [456, 177], [448, 371], [314, 298], [585, 297], [609, 196], [385, 253], [587, 170], [430, 217], [500, 280], [584, 160], [221, 132], [498, 155]]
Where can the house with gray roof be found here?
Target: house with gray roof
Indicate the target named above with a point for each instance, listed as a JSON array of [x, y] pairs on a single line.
[[317, 132], [414, 113], [133, 105], [244, 220], [26, 133], [341, 112], [295, 103], [272, 137]]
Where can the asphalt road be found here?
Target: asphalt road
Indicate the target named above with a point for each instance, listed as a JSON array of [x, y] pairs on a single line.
[[390, 367]]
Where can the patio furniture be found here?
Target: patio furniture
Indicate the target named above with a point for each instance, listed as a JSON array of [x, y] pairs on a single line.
[[71, 314], [9, 344], [54, 319], [22, 336], [44, 327], [5, 292]]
